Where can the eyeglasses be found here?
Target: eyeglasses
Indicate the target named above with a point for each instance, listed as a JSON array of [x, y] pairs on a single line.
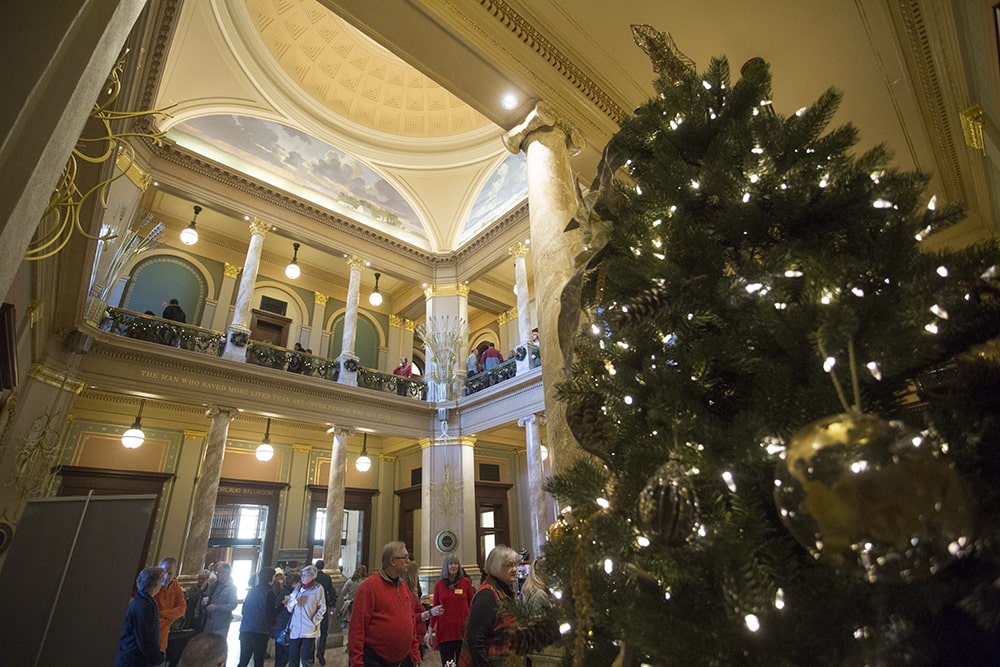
[[403, 557]]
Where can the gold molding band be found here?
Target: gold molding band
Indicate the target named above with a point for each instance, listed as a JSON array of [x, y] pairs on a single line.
[[301, 449], [448, 289], [47, 376], [395, 321], [195, 435]]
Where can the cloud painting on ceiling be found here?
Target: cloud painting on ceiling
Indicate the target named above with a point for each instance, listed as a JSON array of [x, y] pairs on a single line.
[[506, 187], [305, 167]]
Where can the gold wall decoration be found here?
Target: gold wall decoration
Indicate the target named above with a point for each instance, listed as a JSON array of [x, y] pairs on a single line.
[[973, 119], [62, 214]]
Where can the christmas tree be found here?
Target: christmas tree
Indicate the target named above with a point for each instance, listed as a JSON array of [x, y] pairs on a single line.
[[791, 404]]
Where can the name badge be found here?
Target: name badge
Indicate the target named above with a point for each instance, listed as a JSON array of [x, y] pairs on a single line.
[[458, 591]]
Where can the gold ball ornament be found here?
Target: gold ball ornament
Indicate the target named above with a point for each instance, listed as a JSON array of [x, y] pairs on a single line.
[[558, 528], [668, 506], [874, 497]]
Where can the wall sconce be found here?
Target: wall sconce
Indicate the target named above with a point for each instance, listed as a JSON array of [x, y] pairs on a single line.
[[363, 464], [189, 235], [134, 437], [292, 270], [265, 452], [375, 298]]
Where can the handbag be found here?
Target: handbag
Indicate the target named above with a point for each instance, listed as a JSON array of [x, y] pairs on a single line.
[[285, 635]]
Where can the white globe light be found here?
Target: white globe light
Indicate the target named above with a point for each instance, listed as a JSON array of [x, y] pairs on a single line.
[[363, 464], [133, 438], [189, 235], [265, 452], [375, 299], [293, 271]]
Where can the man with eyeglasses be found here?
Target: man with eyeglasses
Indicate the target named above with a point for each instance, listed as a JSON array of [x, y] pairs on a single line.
[[383, 623]]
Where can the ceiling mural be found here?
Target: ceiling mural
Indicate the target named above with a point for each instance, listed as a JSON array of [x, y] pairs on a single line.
[[506, 187], [305, 167]]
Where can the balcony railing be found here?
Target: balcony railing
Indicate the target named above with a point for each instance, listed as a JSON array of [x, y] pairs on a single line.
[[205, 341], [163, 332]]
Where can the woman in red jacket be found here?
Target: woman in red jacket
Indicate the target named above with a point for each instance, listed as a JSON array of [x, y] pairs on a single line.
[[454, 594]]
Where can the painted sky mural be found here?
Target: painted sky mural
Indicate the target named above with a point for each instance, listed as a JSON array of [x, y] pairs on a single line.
[[315, 171]]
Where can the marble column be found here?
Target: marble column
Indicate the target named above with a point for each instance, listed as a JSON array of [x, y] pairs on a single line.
[[348, 376], [335, 500], [206, 491], [229, 273], [316, 335], [548, 143], [447, 309], [448, 497], [520, 251], [238, 333], [538, 507]]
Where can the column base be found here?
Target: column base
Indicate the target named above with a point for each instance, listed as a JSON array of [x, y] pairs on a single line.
[[236, 344]]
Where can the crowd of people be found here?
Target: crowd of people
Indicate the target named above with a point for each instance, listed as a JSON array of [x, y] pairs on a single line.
[[384, 616]]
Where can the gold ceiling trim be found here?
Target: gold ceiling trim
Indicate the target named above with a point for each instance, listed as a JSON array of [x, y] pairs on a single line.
[[548, 51]]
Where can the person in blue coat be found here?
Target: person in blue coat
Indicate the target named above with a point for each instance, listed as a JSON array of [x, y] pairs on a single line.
[[139, 645], [258, 616]]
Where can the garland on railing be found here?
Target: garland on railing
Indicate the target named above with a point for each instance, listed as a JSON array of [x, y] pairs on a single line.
[[163, 332], [497, 374]]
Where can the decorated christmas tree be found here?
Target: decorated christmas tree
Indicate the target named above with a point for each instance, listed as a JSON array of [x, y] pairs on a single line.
[[791, 404]]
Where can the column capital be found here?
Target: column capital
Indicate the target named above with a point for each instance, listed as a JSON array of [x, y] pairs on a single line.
[[519, 249], [396, 321], [355, 263], [194, 435], [320, 299], [230, 270], [219, 409], [46, 375], [342, 431], [542, 117], [529, 419], [451, 289], [409, 325], [258, 226]]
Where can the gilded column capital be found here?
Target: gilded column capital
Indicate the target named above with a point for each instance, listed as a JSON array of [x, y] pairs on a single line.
[[467, 441], [258, 226], [355, 263], [410, 325], [387, 458], [544, 116], [462, 289], [194, 435], [320, 299], [452, 289], [519, 249], [231, 270], [301, 449], [396, 321]]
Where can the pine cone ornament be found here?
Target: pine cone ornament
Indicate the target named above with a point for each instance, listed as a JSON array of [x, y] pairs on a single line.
[[591, 427]]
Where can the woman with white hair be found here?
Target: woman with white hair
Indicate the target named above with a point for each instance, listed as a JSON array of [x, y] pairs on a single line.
[[486, 641], [307, 605]]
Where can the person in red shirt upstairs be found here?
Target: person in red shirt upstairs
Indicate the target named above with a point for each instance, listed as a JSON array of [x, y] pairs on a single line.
[[404, 368], [490, 358], [383, 621]]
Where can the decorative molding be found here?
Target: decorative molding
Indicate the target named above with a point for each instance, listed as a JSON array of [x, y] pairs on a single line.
[[132, 171], [519, 249], [46, 375], [448, 289], [231, 270], [395, 321], [195, 435], [320, 299], [301, 449], [355, 263]]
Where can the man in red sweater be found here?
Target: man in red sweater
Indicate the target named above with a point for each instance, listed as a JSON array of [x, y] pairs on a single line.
[[383, 622]]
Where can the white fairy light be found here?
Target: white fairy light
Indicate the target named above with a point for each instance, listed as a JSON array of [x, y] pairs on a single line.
[[793, 273], [858, 292], [932, 204], [557, 594], [922, 234], [931, 328], [707, 85], [939, 311], [711, 114], [622, 344], [773, 445], [757, 150], [727, 477], [824, 181], [695, 184], [610, 368], [783, 186], [659, 255], [603, 502], [657, 243], [754, 178], [876, 176], [672, 209], [609, 566], [628, 400], [746, 197], [657, 222], [701, 531], [779, 599], [942, 271], [666, 594], [779, 305], [564, 628], [756, 111], [874, 369], [829, 363], [882, 203], [642, 541], [638, 189], [753, 287]]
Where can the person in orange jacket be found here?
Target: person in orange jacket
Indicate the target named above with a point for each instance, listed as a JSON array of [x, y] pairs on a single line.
[[170, 601]]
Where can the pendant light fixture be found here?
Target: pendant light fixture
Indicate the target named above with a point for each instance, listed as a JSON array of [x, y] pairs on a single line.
[[189, 235], [375, 298], [134, 437], [265, 452], [363, 464], [292, 270]]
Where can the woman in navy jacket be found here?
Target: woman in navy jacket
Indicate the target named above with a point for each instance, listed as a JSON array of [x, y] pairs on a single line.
[[139, 645]]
